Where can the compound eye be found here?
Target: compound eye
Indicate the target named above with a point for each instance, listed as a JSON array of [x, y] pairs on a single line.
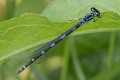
[[92, 9]]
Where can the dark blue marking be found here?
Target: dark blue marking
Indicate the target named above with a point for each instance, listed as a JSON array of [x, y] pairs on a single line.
[[74, 28], [53, 44], [83, 21], [80, 23], [86, 22], [89, 19], [63, 36], [42, 52]]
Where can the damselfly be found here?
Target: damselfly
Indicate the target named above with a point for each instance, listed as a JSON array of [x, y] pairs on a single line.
[[91, 16]]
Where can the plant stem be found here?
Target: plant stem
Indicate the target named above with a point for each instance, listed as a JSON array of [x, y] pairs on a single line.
[[10, 8], [111, 49], [65, 61], [76, 64], [1, 74]]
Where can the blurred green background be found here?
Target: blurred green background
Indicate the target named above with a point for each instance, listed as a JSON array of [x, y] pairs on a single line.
[[86, 55]]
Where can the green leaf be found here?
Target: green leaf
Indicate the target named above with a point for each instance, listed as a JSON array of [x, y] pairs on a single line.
[[30, 30], [22, 33], [61, 10]]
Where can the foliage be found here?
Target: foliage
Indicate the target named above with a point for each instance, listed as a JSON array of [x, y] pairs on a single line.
[[90, 53]]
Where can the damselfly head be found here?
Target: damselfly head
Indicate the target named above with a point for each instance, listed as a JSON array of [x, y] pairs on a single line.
[[95, 12]]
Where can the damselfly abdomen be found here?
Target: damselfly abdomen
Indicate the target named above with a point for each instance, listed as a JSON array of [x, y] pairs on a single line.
[[94, 13]]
